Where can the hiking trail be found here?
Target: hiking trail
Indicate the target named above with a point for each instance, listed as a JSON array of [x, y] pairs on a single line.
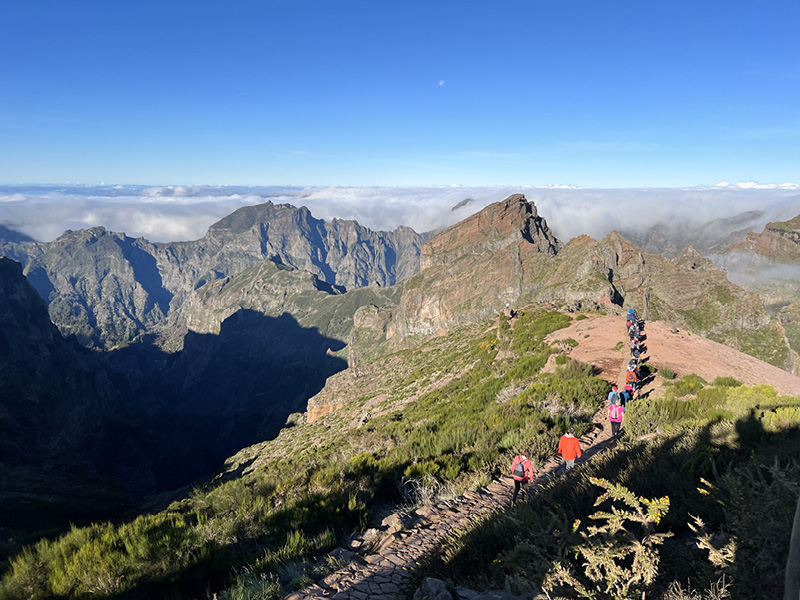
[[384, 567]]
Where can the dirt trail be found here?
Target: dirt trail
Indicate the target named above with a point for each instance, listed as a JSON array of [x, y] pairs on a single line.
[[683, 352], [385, 564]]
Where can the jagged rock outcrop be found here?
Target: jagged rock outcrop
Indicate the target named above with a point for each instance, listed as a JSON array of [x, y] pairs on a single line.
[[689, 258], [472, 269], [109, 289], [498, 226], [779, 241]]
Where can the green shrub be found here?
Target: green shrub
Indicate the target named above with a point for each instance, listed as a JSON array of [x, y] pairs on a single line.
[[645, 416], [574, 369], [562, 359], [710, 397], [687, 385], [726, 382], [618, 557], [252, 586], [581, 317], [666, 372], [783, 417]]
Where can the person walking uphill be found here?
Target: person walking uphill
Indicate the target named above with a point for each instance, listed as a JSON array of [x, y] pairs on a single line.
[[616, 414], [569, 447], [522, 472], [613, 395]]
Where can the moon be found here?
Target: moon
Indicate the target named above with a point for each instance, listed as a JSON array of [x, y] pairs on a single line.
[[441, 82]]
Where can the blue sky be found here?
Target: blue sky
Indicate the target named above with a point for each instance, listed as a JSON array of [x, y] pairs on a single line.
[[611, 94]]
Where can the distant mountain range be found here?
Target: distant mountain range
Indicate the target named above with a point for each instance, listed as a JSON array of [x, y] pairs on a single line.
[[109, 289]]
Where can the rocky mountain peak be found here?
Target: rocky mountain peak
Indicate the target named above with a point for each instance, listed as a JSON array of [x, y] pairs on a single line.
[[689, 258], [499, 225]]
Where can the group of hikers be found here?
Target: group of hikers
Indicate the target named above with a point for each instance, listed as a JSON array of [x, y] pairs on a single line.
[[569, 447]]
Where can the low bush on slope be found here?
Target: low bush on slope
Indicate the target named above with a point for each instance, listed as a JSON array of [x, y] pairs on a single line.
[[723, 456], [477, 401]]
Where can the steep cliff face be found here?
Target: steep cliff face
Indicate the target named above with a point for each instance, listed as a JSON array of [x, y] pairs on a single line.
[[779, 241], [176, 416], [338, 252], [769, 263], [499, 226], [272, 289], [103, 287], [472, 269], [109, 289], [54, 392]]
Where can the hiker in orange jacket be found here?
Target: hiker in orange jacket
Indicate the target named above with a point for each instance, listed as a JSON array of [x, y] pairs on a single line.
[[631, 379], [569, 447], [522, 472]]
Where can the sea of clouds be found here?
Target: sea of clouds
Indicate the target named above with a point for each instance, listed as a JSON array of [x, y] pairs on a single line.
[[176, 213]]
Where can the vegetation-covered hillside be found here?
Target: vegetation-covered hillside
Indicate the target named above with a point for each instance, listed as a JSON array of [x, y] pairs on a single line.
[[720, 456], [453, 411]]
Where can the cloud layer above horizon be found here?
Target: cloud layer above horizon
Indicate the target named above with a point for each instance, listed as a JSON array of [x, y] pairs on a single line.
[[178, 213]]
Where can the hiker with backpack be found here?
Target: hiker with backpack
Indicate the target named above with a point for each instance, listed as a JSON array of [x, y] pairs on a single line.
[[631, 379], [569, 447], [626, 395], [616, 414], [522, 472], [613, 394]]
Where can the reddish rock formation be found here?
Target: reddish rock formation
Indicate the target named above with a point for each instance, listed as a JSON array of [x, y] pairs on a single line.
[[778, 240]]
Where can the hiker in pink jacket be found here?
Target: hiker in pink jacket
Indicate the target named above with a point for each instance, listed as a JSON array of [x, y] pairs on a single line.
[[616, 414]]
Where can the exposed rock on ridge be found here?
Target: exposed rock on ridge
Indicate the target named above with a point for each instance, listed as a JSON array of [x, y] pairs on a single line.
[[109, 289], [472, 269], [779, 241], [498, 226]]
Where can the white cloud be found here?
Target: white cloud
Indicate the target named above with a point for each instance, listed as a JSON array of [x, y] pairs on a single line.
[[175, 213]]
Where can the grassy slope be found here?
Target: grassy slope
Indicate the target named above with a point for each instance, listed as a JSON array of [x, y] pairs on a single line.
[[435, 415], [724, 452]]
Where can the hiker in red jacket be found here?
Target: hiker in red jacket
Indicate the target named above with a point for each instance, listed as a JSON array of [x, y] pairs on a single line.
[[522, 472], [569, 448]]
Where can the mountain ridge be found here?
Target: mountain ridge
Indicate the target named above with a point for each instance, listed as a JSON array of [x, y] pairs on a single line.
[[109, 289]]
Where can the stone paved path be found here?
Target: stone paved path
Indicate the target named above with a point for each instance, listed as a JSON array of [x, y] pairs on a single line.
[[384, 567]]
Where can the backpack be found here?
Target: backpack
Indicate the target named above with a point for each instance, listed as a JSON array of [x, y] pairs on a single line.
[[615, 397], [522, 469], [615, 411]]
